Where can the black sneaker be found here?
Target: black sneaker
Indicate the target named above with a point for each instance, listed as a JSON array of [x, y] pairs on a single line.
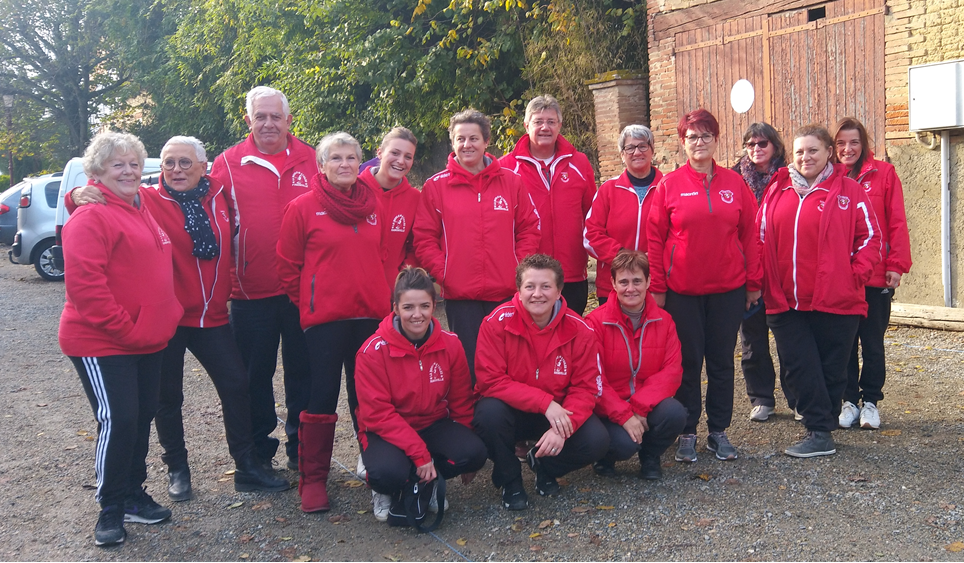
[[110, 527], [514, 496], [649, 467], [718, 443], [815, 443], [141, 509], [546, 484], [604, 469]]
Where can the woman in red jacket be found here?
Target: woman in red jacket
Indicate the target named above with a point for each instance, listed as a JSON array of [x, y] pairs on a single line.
[[474, 223], [820, 245], [620, 210], [705, 260], [417, 412], [538, 379], [880, 182], [399, 200], [330, 263], [637, 405], [192, 209], [120, 312]]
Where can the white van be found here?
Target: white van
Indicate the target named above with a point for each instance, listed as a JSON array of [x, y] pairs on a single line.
[[75, 177]]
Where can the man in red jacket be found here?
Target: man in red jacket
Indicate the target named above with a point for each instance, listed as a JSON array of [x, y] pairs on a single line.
[[561, 183], [262, 174]]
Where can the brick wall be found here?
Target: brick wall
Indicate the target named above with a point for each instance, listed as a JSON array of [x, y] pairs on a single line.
[[620, 100]]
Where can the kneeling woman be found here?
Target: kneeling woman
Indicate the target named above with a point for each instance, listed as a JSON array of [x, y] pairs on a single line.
[[637, 406], [539, 380], [418, 403]]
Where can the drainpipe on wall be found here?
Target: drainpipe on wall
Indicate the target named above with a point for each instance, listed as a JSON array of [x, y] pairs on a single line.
[[946, 216]]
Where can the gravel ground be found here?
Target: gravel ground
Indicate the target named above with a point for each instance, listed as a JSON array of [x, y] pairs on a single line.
[[892, 494]]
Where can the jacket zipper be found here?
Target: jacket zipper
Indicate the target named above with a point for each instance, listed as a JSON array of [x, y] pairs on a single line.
[[706, 184], [311, 302], [672, 253]]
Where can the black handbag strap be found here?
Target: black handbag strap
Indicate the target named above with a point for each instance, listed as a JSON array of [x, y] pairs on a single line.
[[440, 499]]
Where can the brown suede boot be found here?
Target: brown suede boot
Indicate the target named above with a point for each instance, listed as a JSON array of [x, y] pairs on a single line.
[[316, 436]]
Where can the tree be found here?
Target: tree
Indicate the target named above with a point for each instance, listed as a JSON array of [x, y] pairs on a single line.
[[67, 56]]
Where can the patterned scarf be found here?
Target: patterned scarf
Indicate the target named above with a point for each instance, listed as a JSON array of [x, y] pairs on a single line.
[[800, 183], [757, 180], [196, 221], [347, 208]]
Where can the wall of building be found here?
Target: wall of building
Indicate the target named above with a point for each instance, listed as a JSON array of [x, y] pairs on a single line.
[[916, 32]]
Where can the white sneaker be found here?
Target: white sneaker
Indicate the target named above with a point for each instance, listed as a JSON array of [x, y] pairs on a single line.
[[849, 414], [361, 471], [433, 500], [869, 416], [380, 506], [760, 413], [797, 416]]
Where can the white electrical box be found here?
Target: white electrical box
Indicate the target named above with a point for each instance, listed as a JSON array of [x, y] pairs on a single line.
[[936, 93]]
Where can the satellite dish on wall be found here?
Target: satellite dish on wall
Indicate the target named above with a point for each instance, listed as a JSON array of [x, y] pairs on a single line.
[[741, 96]]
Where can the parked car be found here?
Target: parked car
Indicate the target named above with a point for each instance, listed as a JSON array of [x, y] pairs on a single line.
[[35, 226], [72, 177], [9, 205]]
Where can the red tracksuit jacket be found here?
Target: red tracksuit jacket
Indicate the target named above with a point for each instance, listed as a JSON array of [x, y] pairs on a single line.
[[258, 195], [883, 188], [398, 210], [819, 251], [120, 282], [405, 390], [641, 367], [615, 221], [332, 272], [506, 366], [562, 193], [471, 231], [701, 233]]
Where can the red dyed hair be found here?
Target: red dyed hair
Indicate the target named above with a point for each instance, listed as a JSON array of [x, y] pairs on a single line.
[[698, 120]]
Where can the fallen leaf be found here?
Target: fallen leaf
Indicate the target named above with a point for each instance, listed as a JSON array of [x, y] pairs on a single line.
[[602, 507], [246, 538], [354, 484], [890, 432], [782, 488], [545, 524], [338, 518], [263, 505], [572, 535], [585, 490], [70, 448], [235, 505], [581, 509], [89, 438], [517, 527], [859, 479], [535, 548], [563, 482], [229, 472], [223, 479], [286, 538], [362, 511], [948, 506], [461, 541], [612, 524], [392, 557], [955, 547], [82, 432], [302, 558], [595, 539], [535, 535], [244, 556], [704, 522], [280, 519], [41, 404], [703, 476]]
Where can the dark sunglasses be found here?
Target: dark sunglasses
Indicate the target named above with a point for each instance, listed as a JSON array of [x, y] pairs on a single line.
[[762, 144]]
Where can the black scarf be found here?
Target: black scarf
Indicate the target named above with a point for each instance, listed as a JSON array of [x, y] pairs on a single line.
[[196, 221], [757, 181]]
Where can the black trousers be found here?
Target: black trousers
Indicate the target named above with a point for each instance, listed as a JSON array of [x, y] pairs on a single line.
[[501, 426], [868, 383], [576, 295], [123, 393], [465, 318], [217, 351], [757, 364], [332, 346], [707, 327], [666, 421], [815, 347], [455, 450], [259, 325]]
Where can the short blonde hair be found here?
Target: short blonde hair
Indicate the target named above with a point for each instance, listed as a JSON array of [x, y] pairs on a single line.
[[106, 144], [542, 103], [337, 139]]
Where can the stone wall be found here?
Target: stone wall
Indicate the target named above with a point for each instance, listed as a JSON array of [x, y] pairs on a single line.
[[620, 99]]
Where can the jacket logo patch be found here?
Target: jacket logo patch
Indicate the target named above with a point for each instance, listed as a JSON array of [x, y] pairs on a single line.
[[599, 386], [500, 204], [820, 206], [688, 194], [398, 224], [726, 196], [506, 315], [564, 176], [866, 186], [379, 344], [843, 202], [561, 367], [372, 219], [435, 373], [224, 215], [321, 213], [164, 238], [298, 179]]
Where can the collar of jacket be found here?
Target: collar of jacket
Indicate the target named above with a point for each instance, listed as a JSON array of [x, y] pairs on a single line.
[[295, 157], [564, 149], [612, 312], [461, 176], [521, 324], [368, 178], [699, 176], [399, 346], [216, 189]]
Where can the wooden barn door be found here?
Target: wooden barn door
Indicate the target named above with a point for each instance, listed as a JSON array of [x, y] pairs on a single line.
[[812, 65]]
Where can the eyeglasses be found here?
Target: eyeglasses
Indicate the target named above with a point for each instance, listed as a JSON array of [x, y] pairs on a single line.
[[630, 149], [183, 163], [695, 139], [541, 122], [762, 144]]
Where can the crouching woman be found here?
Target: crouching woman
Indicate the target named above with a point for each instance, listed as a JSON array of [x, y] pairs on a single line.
[[539, 379], [418, 402], [642, 368]]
